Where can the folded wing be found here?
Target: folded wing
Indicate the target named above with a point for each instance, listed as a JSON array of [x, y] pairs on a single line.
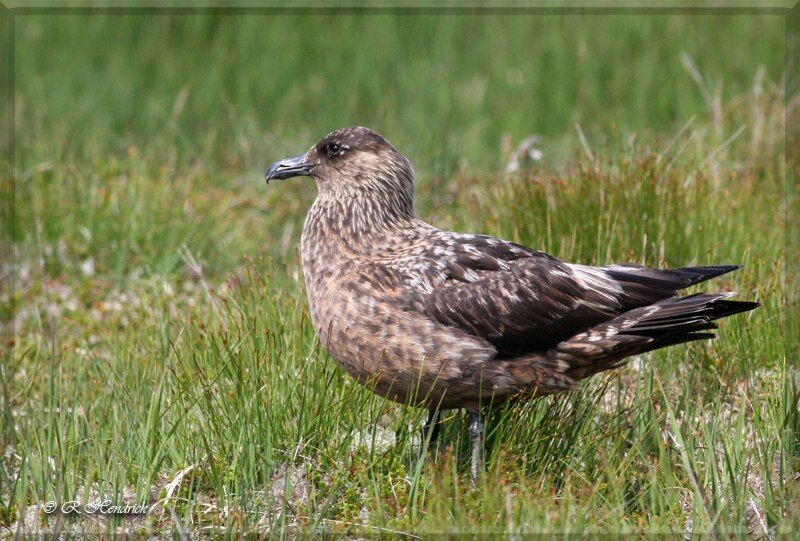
[[520, 300]]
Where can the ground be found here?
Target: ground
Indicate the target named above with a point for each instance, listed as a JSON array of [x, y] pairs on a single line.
[[158, 346]]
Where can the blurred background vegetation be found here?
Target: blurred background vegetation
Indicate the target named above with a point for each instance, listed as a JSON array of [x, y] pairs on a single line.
[[446, 89]]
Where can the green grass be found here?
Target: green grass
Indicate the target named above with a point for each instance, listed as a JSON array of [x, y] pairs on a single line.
[[161, 347]]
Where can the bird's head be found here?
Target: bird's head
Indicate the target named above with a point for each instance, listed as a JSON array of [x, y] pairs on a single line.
[[353, 162]]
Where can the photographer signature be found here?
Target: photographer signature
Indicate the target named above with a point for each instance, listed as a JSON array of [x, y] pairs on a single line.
[[105, 507]]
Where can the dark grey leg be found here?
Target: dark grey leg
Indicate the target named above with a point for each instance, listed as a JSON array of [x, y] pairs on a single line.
[[430, 432], [476, 437]]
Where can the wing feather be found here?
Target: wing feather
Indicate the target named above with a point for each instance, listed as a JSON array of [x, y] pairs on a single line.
[[521, 300]]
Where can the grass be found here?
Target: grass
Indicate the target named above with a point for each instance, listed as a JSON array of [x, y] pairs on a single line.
[[161, 350]]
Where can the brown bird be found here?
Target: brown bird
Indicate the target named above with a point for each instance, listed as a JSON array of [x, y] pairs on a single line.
[[448, 320]]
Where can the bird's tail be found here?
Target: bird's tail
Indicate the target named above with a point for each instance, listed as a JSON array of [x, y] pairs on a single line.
[[671, 321]]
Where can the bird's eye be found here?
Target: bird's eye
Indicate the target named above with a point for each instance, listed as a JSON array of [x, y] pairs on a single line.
[[333, 149]]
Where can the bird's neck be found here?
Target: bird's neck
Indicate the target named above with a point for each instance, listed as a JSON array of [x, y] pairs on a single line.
[[342, 234], [356, 221]]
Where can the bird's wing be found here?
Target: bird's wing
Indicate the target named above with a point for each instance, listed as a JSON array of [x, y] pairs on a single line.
[[522, 300]]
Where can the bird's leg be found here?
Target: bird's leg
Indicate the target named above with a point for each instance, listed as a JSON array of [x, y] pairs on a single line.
[[476, 437], [430, 432]]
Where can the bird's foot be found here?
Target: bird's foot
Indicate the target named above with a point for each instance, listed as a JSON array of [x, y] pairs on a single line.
[[476, 429], [430, 432]]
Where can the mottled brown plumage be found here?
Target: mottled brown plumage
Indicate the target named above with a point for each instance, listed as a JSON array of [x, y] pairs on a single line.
[[448, 320]]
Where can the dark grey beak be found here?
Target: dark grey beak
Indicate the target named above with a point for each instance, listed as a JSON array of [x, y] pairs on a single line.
[[288, 168]]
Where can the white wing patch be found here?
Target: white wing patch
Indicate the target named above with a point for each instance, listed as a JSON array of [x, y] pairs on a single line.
[[597, 280]]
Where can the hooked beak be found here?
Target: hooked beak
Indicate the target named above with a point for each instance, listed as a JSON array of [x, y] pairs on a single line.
[[288, 168]]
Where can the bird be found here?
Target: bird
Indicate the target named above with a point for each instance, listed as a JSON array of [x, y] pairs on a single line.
[[445, 320]]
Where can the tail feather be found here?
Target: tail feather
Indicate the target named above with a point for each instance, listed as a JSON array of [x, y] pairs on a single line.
[[665, 323], [701, 274], [674, 279], [728, 308], [643, 286], [686, 337]]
